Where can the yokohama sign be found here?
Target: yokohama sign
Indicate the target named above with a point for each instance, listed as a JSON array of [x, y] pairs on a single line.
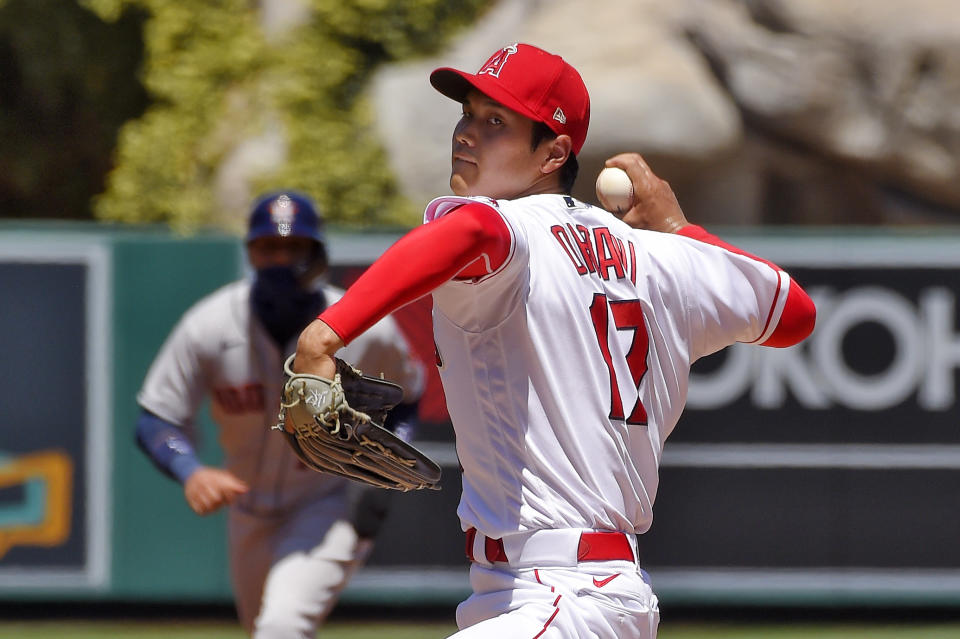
[[917, 334]]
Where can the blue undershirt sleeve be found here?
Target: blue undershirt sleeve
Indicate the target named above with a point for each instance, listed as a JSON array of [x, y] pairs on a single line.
[[167, 446]]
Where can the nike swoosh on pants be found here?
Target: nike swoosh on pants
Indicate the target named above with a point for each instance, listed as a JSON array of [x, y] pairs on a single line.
[[604, 582]]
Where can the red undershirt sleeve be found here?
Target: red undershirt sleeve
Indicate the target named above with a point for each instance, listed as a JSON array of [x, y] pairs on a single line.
[[471, 241], [799, 313]]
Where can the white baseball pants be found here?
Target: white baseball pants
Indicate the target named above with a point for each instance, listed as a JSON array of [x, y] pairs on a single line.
[[288, 572], [609, 599]]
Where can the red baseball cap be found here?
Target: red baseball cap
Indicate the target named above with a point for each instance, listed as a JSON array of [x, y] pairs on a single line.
[[530, 81]]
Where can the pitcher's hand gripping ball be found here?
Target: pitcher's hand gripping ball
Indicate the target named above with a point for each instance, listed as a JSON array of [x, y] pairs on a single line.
[[336, 426]]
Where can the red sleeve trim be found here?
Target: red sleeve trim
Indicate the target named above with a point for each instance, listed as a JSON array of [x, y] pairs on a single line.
[[773, 310], [472, 241], [498, 247], [797, 320]]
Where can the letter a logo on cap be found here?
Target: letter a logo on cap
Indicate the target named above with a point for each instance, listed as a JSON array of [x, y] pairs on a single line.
[[494, 65]]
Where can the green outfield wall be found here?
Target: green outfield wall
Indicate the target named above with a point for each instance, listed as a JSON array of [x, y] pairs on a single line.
[[824, 475]]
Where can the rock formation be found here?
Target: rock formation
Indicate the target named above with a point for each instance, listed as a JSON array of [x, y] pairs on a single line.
[[757, 111]]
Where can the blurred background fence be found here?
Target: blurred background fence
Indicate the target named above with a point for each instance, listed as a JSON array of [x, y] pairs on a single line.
[[825, 474]]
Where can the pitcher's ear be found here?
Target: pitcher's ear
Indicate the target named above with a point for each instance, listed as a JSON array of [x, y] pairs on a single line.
[[560, 149]]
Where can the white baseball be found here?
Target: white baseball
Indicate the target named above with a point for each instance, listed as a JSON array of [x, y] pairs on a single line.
[[615, 188]]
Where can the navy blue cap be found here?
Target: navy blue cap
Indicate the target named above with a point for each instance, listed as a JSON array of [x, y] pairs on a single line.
[[285, 214]]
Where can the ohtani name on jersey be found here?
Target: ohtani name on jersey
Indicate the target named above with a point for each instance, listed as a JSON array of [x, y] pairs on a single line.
[[597, 250], [240, 399]]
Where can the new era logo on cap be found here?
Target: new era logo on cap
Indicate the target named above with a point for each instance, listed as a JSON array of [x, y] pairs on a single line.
[[532, 82]]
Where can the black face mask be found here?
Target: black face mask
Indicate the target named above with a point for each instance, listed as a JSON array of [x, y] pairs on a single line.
[[283, 306]]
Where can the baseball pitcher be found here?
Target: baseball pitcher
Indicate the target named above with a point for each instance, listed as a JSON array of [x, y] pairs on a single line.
[[564, 342]]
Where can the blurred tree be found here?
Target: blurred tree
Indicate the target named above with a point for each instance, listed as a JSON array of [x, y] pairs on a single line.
[[67, 84], [240, 106]]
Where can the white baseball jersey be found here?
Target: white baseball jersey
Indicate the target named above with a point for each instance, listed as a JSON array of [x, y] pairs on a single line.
[[219, 349], [567, 368]]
